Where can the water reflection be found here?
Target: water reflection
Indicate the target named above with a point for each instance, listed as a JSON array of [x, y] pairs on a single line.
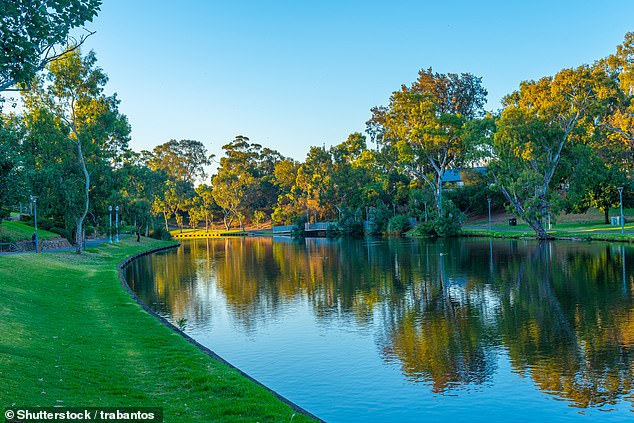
[[444, 311]]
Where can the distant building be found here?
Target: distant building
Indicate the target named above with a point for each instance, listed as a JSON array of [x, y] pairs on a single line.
[[462, 177]]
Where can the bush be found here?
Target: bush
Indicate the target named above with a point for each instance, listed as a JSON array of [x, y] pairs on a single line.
[[398, 225], [159, 232], [445, 226], [298, 228], [349, 225], [377, 219]]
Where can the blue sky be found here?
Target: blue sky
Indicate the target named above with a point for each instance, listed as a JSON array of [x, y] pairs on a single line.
[[292, 74]]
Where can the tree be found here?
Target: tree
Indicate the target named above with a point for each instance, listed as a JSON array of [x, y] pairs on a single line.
[[246, 179], [138, 186], [229, 192], [258, 218], [428, 123], [33, 33], [203, 205], [10, 163], [182, 161], [72, 96], [537, 130], [620, 66]]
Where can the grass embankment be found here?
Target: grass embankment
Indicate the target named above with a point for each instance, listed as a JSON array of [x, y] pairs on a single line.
[[589, 226], [72, 336], [13, 231]]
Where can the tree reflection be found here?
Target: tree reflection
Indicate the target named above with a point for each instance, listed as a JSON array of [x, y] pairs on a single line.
[[444, 311]]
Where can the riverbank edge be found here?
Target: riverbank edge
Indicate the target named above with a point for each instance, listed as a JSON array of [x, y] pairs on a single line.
[[121, 272], [571, 236]]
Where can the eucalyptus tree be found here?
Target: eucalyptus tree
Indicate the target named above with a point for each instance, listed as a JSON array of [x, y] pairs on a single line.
[[544, 124], [246, 179], [428, 124], [71, 96], [620, 120], [182, 161], [33, 33]]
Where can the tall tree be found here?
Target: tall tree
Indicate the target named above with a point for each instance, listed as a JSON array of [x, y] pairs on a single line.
[[72, 93], [246, 179], [33, 33], [541, 126], [428, 124], [183, 161]]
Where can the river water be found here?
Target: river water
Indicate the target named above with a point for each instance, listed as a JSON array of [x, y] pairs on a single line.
[[409, 330]]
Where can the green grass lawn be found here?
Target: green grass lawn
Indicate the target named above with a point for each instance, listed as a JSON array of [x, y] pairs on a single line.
[[72, 336], [12, 231]]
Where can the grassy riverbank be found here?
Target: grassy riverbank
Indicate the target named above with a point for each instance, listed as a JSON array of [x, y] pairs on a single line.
[[72, 336]]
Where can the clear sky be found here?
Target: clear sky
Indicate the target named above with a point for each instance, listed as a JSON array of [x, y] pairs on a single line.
[[293, 74]]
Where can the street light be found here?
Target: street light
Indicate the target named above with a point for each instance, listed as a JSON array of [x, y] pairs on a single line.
[[110, 224], [116, 209], [489, 201], [621, 206], [425, 211], [37, 241]]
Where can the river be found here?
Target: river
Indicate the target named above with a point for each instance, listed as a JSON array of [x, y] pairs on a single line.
[[410, 330]]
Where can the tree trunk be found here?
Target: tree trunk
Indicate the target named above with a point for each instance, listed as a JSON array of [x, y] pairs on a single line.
[[606, 217], [540, 231], [167, 228], [439, 194], [80, 220]]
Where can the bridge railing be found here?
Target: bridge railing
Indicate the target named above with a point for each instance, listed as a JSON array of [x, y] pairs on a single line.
[[318, 226]]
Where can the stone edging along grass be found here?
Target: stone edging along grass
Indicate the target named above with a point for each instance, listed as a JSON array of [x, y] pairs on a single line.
[[204, 349]]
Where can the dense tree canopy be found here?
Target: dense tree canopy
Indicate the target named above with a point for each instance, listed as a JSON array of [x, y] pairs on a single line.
[[564, 142], [33, 33], [70, 104], [427, 123]]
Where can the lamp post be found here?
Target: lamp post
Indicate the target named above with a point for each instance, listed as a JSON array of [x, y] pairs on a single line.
[[425, 211], [37, 241], [116, 226], [489, 201], [110, 224], [621, 207]]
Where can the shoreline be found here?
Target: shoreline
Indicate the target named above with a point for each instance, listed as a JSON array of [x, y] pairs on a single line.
[[121, 271], [72, 337]]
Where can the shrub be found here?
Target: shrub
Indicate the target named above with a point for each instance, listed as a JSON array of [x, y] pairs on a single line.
[[398, 225], [444, 226], [298, 228], [377, 219], [350, 225], [159, 232]]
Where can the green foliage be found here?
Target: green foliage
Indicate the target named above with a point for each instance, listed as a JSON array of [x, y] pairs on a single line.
[[537, 132], [472, 198], [160, 233], [33, 33], [74, 134], [443, 226], [398, 225], [428, 124], [350, 224], [183, 161], [298, 230], [377, 219]]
